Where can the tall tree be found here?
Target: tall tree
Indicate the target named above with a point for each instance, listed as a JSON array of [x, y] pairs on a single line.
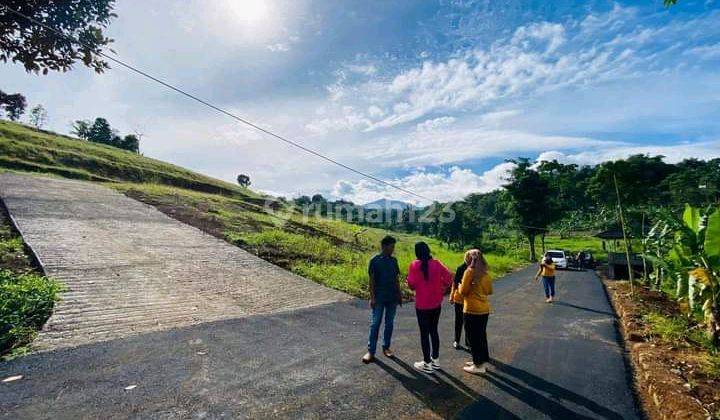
[[101, 132], [694, 182], [13, 104], [81, 128], [450, 229], [243, 180], [131, 143], [641, 178], [38, 116], [39, 49], [532, 203]]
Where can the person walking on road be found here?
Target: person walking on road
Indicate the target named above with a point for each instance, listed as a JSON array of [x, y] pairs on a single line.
[[457, 302], [385, 296], [475, 288], [547, 271], [430, 279], [581, 260]]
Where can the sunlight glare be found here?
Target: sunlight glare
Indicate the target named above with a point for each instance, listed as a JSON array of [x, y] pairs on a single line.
[[251, 11]]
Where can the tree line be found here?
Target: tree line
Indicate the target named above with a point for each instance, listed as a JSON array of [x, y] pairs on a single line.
[[100, 131], [543, 196], [540, 197], [13, 107]]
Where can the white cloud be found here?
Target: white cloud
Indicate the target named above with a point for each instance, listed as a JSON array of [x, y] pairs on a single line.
[[365, 69], [706, 52], [552, 35], [348, 119], [535, 59], [673, 153], [453, 184], [375, 111], [448, 145], [434, 124], [279, 47]]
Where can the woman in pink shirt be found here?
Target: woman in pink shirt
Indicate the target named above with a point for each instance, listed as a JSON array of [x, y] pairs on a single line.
[[430, 279]]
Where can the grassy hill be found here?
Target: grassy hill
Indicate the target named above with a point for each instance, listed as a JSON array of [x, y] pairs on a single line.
[[26, 149], [331, 252]]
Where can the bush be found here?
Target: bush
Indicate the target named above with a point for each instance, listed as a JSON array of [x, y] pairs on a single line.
[[670, 329], [26, 302], [712, 366]]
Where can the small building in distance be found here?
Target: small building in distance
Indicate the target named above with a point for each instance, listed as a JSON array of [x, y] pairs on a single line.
[[617, 260]]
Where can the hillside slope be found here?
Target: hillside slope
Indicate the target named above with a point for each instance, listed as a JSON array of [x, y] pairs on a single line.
[[27, 149], [331, 252]]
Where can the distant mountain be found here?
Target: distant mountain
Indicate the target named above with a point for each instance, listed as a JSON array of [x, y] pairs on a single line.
[[384, 203]]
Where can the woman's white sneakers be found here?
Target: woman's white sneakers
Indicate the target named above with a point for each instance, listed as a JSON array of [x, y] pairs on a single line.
[[435, 364], [424, 367], [475, 370]]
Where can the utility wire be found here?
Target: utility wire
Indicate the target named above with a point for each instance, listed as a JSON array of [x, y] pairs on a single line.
[[214, 107], [222, 110]]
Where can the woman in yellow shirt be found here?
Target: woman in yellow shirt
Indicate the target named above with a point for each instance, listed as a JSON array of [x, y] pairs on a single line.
[[475, 288], [547, 271]]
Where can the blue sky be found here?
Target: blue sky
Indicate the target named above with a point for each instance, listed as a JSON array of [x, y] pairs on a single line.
[[432, 95]]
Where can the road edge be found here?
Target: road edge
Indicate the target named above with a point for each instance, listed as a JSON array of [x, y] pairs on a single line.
[[621, 337]]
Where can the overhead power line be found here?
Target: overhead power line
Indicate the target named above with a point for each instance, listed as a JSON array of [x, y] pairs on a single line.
[[222, 110], [215, 107]]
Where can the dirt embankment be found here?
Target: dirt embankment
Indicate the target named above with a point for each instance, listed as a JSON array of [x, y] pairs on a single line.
[[670, 377]]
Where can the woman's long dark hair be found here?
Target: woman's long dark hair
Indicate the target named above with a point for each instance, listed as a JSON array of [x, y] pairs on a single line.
[[422, 252]]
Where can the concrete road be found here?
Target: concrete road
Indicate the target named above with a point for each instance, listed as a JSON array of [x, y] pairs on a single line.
[[550, 361], [127, 268]]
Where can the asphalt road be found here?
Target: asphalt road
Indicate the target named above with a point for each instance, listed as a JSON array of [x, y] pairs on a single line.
[[550, 361]]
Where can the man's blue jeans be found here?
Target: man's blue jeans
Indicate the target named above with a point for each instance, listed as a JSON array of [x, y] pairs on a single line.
[[389, 310], [549, 286]]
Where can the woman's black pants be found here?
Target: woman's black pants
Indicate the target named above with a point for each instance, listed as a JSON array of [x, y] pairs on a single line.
[[459, 321], [476, 332], [428, 322]]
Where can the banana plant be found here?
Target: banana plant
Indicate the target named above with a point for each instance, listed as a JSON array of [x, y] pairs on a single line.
[[655, 245], [689, 250]]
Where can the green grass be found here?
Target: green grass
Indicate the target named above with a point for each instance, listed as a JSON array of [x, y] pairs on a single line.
[[676, 330], [680, 330], [26, 302], [712, 366], [26, 296], [345, 267], [575, 244], [671, 329]]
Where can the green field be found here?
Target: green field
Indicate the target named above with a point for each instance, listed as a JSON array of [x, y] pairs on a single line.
[[575, 244], [331, 252]]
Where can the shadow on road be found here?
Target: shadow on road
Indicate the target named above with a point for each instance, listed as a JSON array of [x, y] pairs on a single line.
[[442, 393], [582, 308], [543, 396]]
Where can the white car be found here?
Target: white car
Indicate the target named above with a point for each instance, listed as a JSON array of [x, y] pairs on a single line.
[[559, 258]]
